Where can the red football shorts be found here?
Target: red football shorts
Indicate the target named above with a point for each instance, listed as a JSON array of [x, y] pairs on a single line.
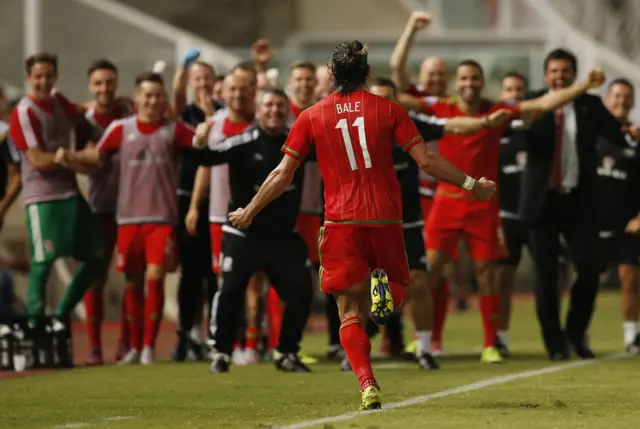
[[215, 232], [146, 244], [308, 226], [425, 206], [426, 203], [109, 229], [349, 253], [476, 221]]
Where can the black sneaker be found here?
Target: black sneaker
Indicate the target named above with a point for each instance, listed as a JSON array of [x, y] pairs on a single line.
[[196, 351], [180, 352], [502, 348], [345, 366], [289, 363], [582, 350], [407, 356], [634, 347], [335, 352], [427, 362], [62, 342], [220, 363]]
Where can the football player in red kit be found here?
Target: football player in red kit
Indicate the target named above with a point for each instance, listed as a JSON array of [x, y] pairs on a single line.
[[147, 204], [353, 132], [456, 213]]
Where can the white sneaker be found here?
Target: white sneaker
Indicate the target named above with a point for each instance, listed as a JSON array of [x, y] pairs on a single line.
[[251, 357], [132, 357], [148, 356], [237, 357]]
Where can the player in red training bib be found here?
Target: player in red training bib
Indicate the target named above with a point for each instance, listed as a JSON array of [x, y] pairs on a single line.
[[455, 212], [147, 209], [102, 196], [354, 132]]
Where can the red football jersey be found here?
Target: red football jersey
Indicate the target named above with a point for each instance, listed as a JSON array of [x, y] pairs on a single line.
[[476, 154], [354, 134]]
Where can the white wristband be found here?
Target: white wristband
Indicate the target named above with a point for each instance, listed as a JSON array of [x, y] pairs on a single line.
[[469, 182]]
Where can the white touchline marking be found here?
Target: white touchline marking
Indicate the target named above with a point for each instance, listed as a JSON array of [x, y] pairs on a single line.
[[453, 391], [74, 425], [389, 366], [84, 425]]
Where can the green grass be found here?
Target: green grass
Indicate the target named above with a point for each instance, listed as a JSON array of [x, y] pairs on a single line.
[[605, 394]]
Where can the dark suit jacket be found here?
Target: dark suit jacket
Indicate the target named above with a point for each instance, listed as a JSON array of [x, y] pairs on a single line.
[[592, 119]]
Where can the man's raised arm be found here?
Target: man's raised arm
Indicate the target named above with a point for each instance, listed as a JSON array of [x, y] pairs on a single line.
[[417, 21], [532, 109]]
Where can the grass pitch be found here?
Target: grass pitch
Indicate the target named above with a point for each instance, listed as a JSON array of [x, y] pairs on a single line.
[[604, 394]]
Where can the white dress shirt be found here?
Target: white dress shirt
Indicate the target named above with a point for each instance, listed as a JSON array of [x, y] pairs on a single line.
[[570, 163]]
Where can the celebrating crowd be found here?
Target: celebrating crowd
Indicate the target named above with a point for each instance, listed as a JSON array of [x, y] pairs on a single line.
[[193, 186]]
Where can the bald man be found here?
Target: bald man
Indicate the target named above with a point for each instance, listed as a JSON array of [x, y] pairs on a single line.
[[433, 70], [324, 81], [433, 78]]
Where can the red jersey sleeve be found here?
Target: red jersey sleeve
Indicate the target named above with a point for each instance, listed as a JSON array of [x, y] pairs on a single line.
[[183, 135], [299, 142], [415, 91], [512, 106], [405, 132], [70, 109], [434, 106], [24, 128], [112, 138]]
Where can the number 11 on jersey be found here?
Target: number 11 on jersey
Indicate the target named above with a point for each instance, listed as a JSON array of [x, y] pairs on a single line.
[[362, 136]]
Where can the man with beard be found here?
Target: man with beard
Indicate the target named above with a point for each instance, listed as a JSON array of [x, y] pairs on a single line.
[[407, 173], [433, 81], [454, 213], [102, 197]]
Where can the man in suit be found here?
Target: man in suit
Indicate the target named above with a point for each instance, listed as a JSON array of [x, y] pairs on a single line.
[[558, 197]]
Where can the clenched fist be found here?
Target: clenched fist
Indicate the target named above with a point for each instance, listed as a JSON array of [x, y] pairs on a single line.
[[420, 20], [240, 218], [596, 78], [497, 118], [484, 189]]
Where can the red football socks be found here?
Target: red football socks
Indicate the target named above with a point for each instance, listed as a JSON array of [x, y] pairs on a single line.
[[441, 298], [153, 311], [93, 318], [357, 348], [253, 334], [274, 312], [135, 315], [399, 295], [490, 311], [124, 328]]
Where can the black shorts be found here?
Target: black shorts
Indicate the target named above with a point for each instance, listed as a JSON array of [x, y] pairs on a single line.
[[195, 252], [619, 248], [516, 236], [414, 248]]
